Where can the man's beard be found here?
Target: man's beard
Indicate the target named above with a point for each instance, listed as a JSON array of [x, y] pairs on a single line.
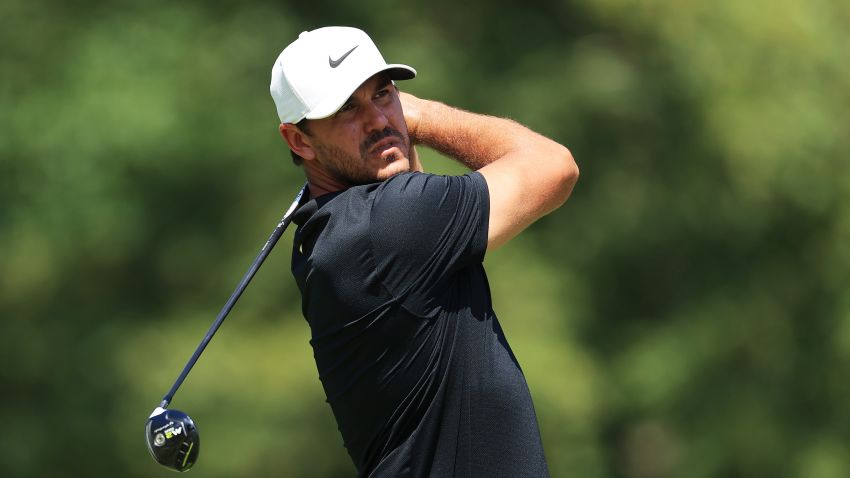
[[350, 169]]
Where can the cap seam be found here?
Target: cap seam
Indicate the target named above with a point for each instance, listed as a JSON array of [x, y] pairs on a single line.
[[294, 89]]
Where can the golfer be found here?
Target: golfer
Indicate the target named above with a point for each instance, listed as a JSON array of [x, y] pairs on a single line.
[[388, 260]]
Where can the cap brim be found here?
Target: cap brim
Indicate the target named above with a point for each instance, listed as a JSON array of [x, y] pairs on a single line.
[[333, 102]]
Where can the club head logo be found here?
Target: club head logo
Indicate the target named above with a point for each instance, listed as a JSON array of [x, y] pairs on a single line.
[[172, 432], [159, 440]]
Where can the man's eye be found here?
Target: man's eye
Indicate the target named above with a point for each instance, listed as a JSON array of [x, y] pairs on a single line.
[[382, 93], [346, 107]]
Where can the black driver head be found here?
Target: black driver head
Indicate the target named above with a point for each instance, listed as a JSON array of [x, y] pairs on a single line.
[[172, 439]]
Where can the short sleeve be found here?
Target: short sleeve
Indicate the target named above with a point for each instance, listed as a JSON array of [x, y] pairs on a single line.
[[425, 229]]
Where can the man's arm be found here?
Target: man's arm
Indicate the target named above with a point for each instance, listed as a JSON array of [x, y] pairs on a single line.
[[528, 175]]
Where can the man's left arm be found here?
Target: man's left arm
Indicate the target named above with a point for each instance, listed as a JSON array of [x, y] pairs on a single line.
[[527, 174]]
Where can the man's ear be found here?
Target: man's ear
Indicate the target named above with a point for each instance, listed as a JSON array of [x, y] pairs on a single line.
[[298, 141]]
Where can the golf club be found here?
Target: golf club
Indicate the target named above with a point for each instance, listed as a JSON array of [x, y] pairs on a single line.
[[172, 436]]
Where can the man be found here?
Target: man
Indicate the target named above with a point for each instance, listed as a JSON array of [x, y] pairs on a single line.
[[388, 260]]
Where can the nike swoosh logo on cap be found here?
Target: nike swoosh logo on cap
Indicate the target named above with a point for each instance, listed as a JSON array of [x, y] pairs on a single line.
[[336, 63]]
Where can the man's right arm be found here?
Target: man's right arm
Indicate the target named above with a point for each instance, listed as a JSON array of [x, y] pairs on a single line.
[[527, 174]]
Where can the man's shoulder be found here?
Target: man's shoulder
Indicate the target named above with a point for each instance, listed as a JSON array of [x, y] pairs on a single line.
[[404, 183], [421, 190], [405, 193], [418, 207]]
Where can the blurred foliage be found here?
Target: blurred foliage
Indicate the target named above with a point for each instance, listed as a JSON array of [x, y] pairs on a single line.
[[687, 313]]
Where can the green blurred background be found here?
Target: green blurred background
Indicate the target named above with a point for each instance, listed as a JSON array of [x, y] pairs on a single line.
[[686, 314]]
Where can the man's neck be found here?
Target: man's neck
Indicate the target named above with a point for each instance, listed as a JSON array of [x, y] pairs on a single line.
[[321, 183]]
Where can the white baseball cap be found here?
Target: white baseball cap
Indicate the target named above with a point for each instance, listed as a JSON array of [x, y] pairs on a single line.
[[316, 74]]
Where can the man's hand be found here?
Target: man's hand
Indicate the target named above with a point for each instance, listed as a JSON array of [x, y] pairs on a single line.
[[415, 164], [410, 105]]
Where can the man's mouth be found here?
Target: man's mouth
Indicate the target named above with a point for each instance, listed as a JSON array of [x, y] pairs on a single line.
[[386, 145]]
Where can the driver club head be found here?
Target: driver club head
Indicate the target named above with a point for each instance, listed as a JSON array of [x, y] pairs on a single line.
[[172, 439]]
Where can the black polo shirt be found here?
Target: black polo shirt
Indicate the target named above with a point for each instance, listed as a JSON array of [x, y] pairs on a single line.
[[414, 364]]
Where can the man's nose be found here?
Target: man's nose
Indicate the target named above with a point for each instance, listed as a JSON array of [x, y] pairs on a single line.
[[375, 119]]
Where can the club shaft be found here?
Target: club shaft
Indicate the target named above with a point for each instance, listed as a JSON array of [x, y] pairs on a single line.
[[243, 284]]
